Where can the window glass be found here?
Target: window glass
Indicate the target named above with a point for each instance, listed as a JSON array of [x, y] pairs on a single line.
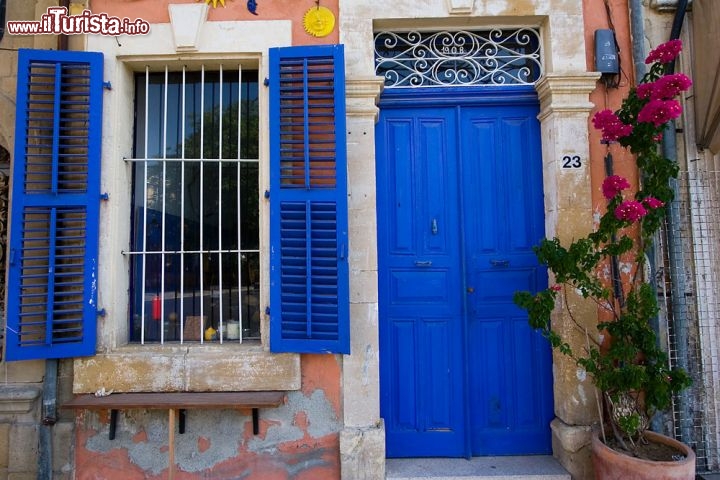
[[195, 212]]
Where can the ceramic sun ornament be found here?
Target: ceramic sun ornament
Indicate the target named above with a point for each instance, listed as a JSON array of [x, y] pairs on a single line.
[[319, 21], [214, 2]]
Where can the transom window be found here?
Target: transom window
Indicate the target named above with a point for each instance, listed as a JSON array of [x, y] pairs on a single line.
[[194, 254], [458, 58]]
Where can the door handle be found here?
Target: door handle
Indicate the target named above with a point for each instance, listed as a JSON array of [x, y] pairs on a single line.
[[500, 263], [423, 263]]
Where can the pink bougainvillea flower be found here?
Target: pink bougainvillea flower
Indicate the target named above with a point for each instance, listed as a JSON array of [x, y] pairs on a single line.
[[645, 90], [611, 126], [630, 210], [665, 87], [556, 288], [652, 202], [665, 53], [613, 185], [669, 86], [659, 112], [658, 137]]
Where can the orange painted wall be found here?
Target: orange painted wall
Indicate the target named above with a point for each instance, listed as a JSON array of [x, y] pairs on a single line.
[[617, 17], [156, 11], [624, 164]]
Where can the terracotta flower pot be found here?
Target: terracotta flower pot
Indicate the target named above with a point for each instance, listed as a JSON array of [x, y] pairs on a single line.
[[610, 464]]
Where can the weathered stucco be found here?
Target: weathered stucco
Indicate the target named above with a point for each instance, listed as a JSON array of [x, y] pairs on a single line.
[[298, 440]]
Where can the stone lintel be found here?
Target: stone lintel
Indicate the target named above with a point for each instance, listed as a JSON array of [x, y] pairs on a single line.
[[186, 21]]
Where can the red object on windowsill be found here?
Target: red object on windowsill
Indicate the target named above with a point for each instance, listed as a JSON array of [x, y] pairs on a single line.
[[156, 307]]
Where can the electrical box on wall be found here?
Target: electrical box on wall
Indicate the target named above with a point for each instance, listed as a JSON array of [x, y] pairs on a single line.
[[606, 52]]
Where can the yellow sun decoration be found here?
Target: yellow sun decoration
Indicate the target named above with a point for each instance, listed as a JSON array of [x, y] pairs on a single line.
[[215, 2]]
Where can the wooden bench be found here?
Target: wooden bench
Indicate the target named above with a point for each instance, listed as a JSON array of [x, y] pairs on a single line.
[[176, 402]]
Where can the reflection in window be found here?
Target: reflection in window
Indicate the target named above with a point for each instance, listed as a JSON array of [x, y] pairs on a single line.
[[195, 248]]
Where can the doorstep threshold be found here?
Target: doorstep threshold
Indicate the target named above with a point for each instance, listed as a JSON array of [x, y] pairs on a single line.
[[532, 467]]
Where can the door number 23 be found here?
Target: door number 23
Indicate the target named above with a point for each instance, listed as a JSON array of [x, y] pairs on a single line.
[[571, 161]]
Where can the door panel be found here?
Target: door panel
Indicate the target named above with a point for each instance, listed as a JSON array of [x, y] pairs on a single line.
[[509, 380], [459, 208], [421, 307]]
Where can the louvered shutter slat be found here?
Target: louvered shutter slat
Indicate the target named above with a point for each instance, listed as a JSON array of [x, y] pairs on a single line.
[[309, 309]]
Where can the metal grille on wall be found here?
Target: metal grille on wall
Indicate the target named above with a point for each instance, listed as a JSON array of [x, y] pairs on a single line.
[[689, 297], [458, 58]]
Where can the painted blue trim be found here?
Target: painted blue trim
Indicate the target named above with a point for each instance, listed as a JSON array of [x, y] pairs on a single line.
[[463, 96], [55, 208], [309, 284]]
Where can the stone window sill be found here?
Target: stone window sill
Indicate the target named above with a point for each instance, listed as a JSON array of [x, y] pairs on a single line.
[[187, 368]]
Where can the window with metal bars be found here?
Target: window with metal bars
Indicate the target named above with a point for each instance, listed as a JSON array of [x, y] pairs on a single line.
[[194, 254]]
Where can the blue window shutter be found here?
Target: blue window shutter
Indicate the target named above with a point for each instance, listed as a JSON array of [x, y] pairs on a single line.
[[309, 300], [55, 205]]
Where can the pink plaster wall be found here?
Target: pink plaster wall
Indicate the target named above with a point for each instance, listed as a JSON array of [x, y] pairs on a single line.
[[156, 11]]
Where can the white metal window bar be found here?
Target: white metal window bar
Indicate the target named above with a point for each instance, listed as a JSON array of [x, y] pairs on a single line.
[[205, 253], [458, 58]]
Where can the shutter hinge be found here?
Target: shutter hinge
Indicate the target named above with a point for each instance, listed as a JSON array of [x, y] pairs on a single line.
[[343, 252], [267, 193], [105, 196], [107, 85], [266, 82], [101, 313], [267, 310]]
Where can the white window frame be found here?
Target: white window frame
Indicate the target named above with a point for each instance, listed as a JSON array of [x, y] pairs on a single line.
[[119, 365]]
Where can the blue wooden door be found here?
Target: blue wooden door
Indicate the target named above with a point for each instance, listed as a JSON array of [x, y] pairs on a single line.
[[459, 208], [422, 307], [509, 365]]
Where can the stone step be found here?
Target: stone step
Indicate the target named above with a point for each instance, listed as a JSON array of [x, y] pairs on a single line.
[[537, 467]]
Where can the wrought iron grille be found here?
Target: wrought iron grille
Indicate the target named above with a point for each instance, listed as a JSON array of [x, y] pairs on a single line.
[[458, 58]]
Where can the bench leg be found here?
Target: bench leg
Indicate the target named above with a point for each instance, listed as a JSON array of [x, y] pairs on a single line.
[[113, 424], [256, 421], [171, 444], [181, 420]]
